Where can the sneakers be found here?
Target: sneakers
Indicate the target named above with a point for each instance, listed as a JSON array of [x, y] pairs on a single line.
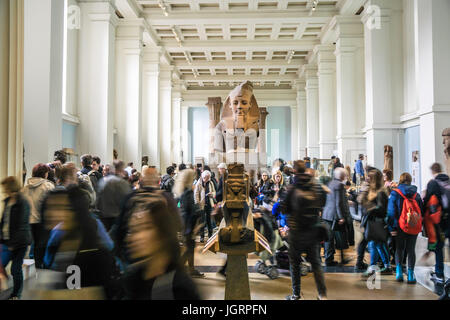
[[361, 267], [320, 297], [399, 273], [368, 273], [386, 271], [294, 297], [411, 277]]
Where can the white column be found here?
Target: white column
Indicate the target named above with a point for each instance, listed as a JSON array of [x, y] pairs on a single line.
[[384, 83], [43, 79], [96, 82], [185, 133], [150, 106], [294, 133], [301, 118], [350, 89], [312, 111], [11, 88], [176, 124], [327, 100], [165, 118], [129, 91], [432, 84]]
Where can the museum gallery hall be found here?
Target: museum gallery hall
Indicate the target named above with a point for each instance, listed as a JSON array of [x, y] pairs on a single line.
[[153, 82]]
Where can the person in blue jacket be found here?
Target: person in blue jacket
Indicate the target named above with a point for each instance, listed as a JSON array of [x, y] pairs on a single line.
[[403, 240]]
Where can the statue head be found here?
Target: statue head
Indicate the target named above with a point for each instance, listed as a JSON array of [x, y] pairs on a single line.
[[446, 142], [241, 106]]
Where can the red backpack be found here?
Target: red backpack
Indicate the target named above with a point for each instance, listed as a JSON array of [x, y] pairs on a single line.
[[410, 219]]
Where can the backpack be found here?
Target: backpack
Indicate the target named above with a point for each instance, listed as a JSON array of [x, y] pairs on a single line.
[[445, 195], [410, 219]]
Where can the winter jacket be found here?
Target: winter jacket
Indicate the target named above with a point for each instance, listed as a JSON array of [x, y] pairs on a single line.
[[303, 202], [395, 205], [200, 196], [336, 207], [219, 193], [34, 192], [19, 227], [266, 190]]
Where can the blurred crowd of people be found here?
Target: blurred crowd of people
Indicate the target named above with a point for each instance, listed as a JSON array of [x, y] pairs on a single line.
[[123, 227]]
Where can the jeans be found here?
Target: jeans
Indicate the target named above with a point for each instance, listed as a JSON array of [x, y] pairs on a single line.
[[206, 214], [439, 267], [329, 248], [361, 242], [405, 241], [295, 250], [378, 249], [16, 256]]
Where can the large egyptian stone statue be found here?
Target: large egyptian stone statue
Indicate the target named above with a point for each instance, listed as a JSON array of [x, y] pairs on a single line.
[[446, 142], [238, 129]]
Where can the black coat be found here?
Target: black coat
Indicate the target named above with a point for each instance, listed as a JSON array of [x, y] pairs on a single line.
[[189, 211], [19, 226]]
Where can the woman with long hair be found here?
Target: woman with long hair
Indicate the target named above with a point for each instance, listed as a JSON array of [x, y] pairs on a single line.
[[15, 233], [156, 272], [190, 215], [375, 201], [403, 241]]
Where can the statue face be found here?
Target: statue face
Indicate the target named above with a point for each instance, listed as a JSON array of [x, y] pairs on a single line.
[[240, 102]]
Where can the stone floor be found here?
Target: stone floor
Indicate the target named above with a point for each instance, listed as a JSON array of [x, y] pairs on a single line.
[[342, 283]]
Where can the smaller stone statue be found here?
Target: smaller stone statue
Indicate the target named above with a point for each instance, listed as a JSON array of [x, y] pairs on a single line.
[[446, 142], [388, 158]]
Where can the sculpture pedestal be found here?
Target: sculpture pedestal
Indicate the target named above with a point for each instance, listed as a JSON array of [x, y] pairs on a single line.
[[237, 285]]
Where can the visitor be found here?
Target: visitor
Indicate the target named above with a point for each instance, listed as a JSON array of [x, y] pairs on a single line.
[[190, 215], [167, 180], [436, 201], [108, 170], [129, 168], [77, 239], [15, 233], [335, 213], [213, 176], [148, 191], [151, 240], [97, 167], [112, 191], [61, 156], [34, 192], [264, 190], [304, 201], [404, 240], [337, 163], [359, 170], [222, 171], [375, 202], [204, 196], [86, 162], [278, 186]]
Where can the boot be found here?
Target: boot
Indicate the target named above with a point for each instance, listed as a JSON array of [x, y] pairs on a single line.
[[399, 273], [411, 277]]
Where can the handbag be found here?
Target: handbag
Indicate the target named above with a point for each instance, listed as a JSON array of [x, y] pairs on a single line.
[[376, 230]]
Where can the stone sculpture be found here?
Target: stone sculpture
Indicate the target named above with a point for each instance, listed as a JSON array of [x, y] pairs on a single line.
[[238, 129], [236, 235], [446, 142], [388, 158]]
